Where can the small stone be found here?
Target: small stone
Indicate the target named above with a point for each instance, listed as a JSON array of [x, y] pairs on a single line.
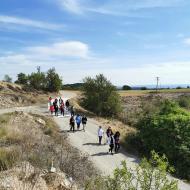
[[41, 121]]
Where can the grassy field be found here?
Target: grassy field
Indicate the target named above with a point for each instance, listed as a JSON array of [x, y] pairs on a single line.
[[145, 92]]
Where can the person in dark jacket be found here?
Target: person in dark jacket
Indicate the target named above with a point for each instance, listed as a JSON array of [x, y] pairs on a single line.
[[109, 132], [117, 142], [111, 142], [84, 121], [72, 124], [56, 108], [72, 111], [67, 104]]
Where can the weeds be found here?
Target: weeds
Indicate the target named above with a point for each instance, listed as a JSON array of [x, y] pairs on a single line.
[[40, 143], [8, 157]]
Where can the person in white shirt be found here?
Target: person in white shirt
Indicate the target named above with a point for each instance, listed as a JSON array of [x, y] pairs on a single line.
[[100, 134]]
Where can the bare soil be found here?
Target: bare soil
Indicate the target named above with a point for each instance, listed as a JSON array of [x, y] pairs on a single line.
[[13, 95]]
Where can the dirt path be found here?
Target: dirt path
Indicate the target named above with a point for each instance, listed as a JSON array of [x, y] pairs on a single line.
[[86, 142]]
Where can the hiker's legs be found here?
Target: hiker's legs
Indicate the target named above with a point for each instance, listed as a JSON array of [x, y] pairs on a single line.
[[117, 147], [78, 126], [100, 139], [62, 112], [111, 148], [84, 125], [72, 128]]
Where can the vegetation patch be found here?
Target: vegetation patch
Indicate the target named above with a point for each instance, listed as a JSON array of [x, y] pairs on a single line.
[[25, 139], [150, 174], [101, 97], [165, 128]]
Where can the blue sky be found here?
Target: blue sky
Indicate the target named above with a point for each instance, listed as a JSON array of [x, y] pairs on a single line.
[[130, 41]]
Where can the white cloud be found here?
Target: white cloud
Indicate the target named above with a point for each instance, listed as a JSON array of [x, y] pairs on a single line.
[[71, 5], [115, 8], [10, 20], [186, 41], [68, 49]]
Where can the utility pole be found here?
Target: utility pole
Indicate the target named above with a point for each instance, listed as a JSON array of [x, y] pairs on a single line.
[[157, 82], [38, 69]]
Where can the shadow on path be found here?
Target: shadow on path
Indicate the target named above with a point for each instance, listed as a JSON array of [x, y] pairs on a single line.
[[92, 144], [100, 154]]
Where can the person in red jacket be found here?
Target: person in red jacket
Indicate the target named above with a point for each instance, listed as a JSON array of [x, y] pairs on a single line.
[[62, 106], [51, 106]]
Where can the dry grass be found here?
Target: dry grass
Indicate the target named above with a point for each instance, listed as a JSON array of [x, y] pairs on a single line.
[[13, 95], [124, 93], [38, 140]]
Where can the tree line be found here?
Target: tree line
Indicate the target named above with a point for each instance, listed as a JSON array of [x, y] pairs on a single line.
[[48, 81]]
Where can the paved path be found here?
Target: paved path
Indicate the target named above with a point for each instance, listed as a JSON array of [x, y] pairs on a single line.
[[86, 142]]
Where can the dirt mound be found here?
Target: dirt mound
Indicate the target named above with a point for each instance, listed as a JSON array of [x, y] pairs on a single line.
[[10, 87], [13, 95], [37, 140]]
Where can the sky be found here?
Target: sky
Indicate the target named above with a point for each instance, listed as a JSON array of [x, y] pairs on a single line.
[[129, 41]]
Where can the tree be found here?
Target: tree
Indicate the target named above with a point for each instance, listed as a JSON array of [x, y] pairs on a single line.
[[54, 82], [149, 174], [100, 96], [22, 79], [143, 88], [37, 81], [126, 87], [7, 78]]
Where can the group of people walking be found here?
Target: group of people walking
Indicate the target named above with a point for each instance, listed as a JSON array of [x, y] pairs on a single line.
[[113, 140], [78, 119], [58, 106]]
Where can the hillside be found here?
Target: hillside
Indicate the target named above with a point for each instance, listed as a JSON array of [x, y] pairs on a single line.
[[12, 95], [30, 145]]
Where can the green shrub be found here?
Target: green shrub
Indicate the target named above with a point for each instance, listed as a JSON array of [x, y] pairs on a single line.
[[167, 130], [184, 101], [100, 96], [149, 175], [54, 82], [126, 87]]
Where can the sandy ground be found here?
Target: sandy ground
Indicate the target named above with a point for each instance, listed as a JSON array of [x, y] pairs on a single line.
[[86, 141]]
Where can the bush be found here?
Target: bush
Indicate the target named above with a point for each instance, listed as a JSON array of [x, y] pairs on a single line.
[[126, 87], [22, 79], [167, 130], [184, 101], [143, 88], [7, 78], [100, 96], [150, 174]]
